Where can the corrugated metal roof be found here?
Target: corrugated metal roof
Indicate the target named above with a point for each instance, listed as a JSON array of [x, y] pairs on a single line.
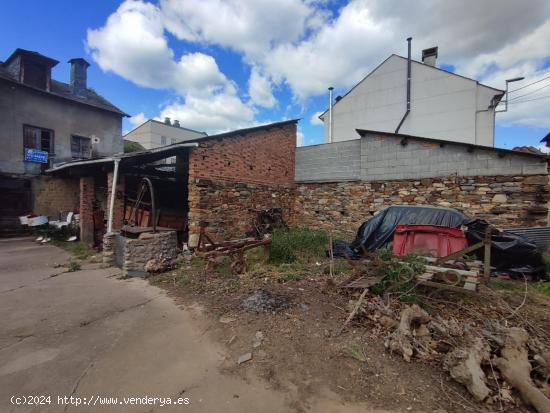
[[540, 236]]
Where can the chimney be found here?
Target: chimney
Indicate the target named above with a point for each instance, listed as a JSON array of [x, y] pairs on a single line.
[[429, 56], [167, 121], [79, 68], [176, 123]]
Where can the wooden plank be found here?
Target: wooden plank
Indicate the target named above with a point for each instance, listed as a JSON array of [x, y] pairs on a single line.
[[460, 253], [447, 286], [435, 269]]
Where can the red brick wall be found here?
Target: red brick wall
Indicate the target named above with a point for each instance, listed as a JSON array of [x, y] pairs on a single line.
[[118, 212], [87, 195], [261, 157]]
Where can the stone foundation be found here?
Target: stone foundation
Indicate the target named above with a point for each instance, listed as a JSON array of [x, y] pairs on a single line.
[[225, 205], [161, 246], [504, 201]]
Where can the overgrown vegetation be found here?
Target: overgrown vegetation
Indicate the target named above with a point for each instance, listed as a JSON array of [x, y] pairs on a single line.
[[518, 287], [73, 266], [299, 244], [79, 250], [399, 272]]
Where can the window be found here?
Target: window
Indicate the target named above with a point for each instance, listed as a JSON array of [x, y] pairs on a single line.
[[38, 138], [81, 147], [163, 140], [172, 141]]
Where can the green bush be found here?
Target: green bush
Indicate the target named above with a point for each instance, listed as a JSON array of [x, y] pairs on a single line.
[[298, 244]]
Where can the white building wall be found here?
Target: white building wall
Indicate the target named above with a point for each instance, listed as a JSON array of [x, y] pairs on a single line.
[[443, 105], [150, 134]]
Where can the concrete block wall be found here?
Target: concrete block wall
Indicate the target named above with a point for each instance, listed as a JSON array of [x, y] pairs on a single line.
[[340, 161], [386, 158]]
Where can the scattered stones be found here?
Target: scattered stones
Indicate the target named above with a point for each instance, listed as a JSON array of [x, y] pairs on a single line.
[[244, 358], [263, 301], [224, 319]]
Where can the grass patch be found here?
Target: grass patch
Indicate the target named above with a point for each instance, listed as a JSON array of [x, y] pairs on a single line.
[[78, 249], [357, 353], [224, 268], [542, 288], [73, 266], [400, 272], [298, 244]]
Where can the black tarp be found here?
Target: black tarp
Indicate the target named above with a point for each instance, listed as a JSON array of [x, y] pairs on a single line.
[[378, 231], [509, 252]]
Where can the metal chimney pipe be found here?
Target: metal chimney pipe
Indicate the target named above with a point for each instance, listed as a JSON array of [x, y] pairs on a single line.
[[330, 89], [408, 86]]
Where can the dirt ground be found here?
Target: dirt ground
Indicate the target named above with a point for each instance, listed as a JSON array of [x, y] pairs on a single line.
[[298, 349]]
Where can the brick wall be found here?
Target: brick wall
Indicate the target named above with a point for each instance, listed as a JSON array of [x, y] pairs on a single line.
[[118, 211], [225, 206], [52, 195], [261, 157], [87, 196], [505, 201]]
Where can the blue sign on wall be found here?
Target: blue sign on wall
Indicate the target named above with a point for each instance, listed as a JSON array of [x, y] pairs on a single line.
[[35, 155]]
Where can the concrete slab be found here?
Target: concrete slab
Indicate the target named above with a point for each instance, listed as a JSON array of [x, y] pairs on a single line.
[[91, 335]]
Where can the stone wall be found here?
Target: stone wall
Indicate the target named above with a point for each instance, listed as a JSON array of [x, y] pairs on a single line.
[[225, 205], [52, 195], [161, 246], [505, 201], [335, 162]]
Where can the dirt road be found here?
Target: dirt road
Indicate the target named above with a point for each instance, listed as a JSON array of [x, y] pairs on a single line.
[[92, 336]]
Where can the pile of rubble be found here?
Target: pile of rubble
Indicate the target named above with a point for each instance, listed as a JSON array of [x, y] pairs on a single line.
[[489, 360]]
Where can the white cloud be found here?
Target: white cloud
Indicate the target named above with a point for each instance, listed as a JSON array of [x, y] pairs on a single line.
[[217, 113], [314, 120], [132, 44], [308, 46], [247, 26], [259, 89], [137, 119], [299, 138]]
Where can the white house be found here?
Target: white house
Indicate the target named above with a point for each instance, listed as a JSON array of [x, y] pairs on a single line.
[[153, 134], [443, 105]]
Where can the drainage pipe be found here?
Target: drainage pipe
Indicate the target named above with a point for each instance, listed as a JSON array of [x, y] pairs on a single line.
[[408, 86], [330, 89]]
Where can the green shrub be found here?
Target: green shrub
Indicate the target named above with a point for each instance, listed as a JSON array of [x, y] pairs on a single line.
[[298, 244], [73, 266], [399, 272]]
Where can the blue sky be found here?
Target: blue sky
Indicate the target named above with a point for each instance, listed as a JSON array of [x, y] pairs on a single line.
[[226, 64]]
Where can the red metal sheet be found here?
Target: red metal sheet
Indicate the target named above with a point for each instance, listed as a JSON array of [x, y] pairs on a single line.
[[430, 240]]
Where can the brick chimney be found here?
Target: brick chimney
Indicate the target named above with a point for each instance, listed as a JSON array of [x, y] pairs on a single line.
[[79, 69]]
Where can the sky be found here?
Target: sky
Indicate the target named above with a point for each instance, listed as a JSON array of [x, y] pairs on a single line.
[[220, 65]]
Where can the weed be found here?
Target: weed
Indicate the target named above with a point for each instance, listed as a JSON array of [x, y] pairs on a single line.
[[300, 244], [184, 281], [234, 286], [399, 272], [197, 262], [224, 268], [357, 353], [78, 249], [542, 288], [73, 266]]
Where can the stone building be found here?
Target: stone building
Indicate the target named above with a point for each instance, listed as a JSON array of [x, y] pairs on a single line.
[[215, 178], [43, 122]]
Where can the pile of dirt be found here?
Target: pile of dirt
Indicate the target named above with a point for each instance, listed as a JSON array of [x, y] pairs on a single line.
[[264, 301]]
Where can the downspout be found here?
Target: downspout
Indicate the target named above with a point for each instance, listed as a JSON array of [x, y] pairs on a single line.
[[113, 195], [408, 86], [330, 89]]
